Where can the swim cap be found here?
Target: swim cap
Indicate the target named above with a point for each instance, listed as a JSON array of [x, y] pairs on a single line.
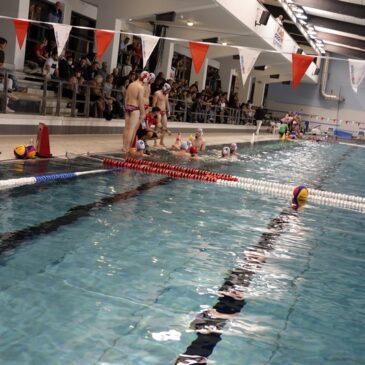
[[225, 151], [189, 143], [151, 78], [144, 77], [199, 131], [140, 146], [184, 146], [233, 147], [166, 88], [193, 150]]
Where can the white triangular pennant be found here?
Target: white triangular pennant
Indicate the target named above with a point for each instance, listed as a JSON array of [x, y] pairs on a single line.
[[357, 73], [148, 45], [61, 33], [248, 58]]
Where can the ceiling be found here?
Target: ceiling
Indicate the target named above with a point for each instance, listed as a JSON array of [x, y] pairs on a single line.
[[339, 24]]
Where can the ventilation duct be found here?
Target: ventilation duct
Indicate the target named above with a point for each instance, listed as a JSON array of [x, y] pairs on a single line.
[[324, 79]]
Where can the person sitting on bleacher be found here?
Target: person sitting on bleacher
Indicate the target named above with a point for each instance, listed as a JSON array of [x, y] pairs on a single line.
[[66, 67], [11, 76], [39, 53], [50, 69]]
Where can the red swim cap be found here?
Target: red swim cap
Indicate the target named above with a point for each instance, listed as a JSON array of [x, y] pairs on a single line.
[[193, 150]]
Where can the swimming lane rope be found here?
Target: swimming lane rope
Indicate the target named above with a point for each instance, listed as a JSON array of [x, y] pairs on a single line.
[[267, 187], [14, 183], [183, 172]]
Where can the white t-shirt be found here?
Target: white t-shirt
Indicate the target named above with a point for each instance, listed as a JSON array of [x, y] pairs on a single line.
[[53, 65]]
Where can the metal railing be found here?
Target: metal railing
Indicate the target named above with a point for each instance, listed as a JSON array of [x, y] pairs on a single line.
[[60, 98]]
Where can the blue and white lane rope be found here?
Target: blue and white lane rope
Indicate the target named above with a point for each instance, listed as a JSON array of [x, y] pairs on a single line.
[[286, 191], [14, 183]]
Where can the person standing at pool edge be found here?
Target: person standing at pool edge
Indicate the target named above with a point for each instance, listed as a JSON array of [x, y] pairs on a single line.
[[161, 99], [134, 109]]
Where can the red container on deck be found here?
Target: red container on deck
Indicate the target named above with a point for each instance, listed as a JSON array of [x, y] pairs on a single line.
[[43, 148]]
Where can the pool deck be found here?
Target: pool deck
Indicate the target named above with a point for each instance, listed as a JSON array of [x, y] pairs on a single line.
[[101, 143]]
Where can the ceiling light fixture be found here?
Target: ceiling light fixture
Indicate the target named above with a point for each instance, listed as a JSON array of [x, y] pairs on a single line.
[[302, 16], [224, 43], [190, 23]]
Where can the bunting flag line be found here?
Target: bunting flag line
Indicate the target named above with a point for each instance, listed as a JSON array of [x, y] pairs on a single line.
[[149, 43], [198, 53], [248, 58], [300, 64], [357, 73], [61, 33], [103, 39], [21, 29]]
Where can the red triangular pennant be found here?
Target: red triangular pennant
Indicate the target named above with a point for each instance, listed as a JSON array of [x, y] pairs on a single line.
[[300, 64], [21, 29], [103, 39], [198, 53]]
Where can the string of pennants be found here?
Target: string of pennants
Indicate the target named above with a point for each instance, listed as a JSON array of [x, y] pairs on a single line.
[[199, 50]]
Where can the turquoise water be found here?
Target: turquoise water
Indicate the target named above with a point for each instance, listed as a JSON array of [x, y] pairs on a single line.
[[119, 282]]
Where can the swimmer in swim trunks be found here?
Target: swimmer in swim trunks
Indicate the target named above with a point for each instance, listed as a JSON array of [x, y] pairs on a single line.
[[161, 99], [135, 110], [147, 91]]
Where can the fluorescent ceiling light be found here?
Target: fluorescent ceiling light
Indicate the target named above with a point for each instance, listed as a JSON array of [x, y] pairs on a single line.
[[302, 16], [337, 32], [224, 43], [190, 23]]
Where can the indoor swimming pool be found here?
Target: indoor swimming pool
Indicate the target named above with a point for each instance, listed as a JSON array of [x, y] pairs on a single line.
[[121, 268]]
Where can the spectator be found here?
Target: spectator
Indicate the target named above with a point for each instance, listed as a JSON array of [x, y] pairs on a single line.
[[109, 99], [97, 97], [92, 71], [55, 15], [123, 50], [40, 54], [11, 76], [35, 11], [51, 47], [66, 67], [136, 53], [103, 72], [127, 68], [50, 69], [82, 66]]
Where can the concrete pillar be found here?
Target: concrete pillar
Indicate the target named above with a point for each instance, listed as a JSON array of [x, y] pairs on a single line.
[[258, 96], [201, 77], [165, 62], [244, 91], [16, 9]]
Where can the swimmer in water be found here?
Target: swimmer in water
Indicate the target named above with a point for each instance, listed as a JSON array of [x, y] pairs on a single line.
[[233, 149], [183, 151], [139, 150], [194, 153], [199, 141], [225, 152]]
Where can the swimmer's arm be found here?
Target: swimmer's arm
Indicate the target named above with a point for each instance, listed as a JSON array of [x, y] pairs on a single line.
[[141, 104], [154, 100], [167, 105]]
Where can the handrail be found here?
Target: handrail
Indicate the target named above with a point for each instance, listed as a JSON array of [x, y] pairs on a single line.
[[79, 102]]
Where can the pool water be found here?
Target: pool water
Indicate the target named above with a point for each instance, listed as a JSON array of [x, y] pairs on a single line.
[[113, 269]]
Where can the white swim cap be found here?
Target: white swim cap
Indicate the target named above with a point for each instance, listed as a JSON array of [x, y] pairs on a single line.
[[152, 78], [144, 77], [225, 151], [140, 145], [166, 88], [184, 146]]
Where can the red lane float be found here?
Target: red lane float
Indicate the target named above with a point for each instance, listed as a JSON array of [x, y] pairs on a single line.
[[160, 171], [183, 169]]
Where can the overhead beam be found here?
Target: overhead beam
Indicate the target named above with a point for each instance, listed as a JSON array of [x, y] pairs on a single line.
[[352, 42], [337, 25], [335, 6], [348, 52]]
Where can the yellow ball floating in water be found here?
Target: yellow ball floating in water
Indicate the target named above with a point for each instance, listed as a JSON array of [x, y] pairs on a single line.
[[300, 196]]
